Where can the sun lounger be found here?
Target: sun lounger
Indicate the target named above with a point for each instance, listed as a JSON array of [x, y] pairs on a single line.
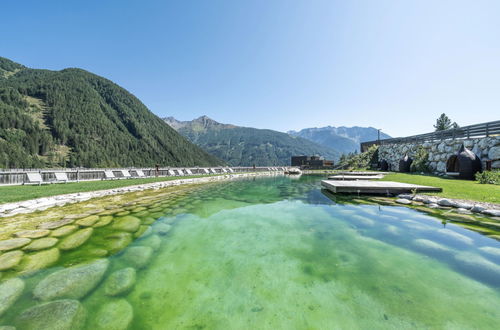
[[223, 170], [188, 171], [126, 174], [140, 173], [109, 175], [61, 177], [205, 171], [171, 173], [179, 172], [213, 171], [34, 178], [230, 170]]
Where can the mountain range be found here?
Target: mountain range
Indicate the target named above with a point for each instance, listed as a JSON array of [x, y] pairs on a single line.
[[75, 118], [342, 139], [246, 146]]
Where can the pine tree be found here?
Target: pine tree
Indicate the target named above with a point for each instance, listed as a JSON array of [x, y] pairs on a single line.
[[443, 123]]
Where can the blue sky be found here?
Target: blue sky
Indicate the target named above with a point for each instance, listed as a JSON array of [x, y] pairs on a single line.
[[279, 64]]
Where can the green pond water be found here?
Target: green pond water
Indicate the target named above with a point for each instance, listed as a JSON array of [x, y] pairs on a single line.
[[266, 253]]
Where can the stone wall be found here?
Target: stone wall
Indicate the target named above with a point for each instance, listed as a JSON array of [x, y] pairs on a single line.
[[486, 148]]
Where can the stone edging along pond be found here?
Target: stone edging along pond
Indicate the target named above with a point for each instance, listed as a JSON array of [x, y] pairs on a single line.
[[40, 204], [461, 206]]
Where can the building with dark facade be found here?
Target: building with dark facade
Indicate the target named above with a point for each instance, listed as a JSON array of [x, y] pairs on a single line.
[[311, 162]]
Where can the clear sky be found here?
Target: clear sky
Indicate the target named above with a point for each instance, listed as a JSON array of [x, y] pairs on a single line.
[[279, 64]]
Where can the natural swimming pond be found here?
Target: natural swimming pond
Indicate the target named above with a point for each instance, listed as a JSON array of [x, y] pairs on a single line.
[[264, 253]]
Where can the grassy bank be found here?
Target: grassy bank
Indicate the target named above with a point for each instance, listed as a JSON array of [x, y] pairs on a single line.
[[452, 188], [20, 193]]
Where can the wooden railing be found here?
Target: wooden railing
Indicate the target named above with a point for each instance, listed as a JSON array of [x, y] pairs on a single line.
[[473, 131], [19, 176]]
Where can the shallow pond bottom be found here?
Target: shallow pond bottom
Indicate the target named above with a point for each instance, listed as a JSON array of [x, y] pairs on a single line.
[[270, 253]]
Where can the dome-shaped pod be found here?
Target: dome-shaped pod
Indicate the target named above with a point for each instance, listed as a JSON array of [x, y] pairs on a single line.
[[405, 163], [465, 163]]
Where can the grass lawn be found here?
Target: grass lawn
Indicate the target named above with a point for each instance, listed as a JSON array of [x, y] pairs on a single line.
[[452, 188], [20, 193]]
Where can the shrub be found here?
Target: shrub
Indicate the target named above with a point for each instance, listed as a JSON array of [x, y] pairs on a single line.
[[362, 161], [490, 177], [420, 161]]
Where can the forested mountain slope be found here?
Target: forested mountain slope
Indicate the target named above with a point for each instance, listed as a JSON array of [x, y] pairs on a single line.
[[245, 146], [75, 118]]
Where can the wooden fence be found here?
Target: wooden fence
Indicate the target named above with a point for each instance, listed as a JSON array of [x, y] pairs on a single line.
[[473, 131]]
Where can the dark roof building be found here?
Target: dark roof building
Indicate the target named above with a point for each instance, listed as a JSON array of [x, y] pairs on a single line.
[[311, 162]]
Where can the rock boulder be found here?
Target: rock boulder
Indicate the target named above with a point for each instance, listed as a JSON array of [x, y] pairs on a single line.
[[76, 239], [40, 260], [120, 281], [74, 282], [41, 244], [138, 256], [10, 259], [127, 223], [60, 314], [14, 243], [10, 291], [37, 233], [115, 315]]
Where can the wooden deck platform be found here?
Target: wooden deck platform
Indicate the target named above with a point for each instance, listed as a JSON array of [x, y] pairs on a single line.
[[355, 177], [361, 173], [374, 187]]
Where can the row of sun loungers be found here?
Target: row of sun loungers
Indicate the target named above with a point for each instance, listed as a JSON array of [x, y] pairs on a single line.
[[60, 177], [276, 169]]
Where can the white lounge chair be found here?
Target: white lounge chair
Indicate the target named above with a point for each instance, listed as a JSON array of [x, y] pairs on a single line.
[[126, 174], [188, 171], [34, 178], [171, 173], [180, 172], [61, 177], [205, 171], [109, 175], [140, 173], [223, 170], [213, 171], [230, 170]]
